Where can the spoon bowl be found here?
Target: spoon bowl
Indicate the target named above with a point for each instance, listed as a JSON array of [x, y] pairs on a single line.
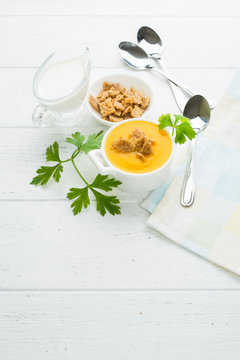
[[197, 109], [134, 56], [150, 41]]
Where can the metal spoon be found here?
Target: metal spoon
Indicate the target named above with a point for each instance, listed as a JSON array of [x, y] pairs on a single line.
[[198, 110], [151, 42], [138, 59]]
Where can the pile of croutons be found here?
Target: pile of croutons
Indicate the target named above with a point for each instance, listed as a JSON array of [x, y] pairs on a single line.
[[137, 143], [116, 103]]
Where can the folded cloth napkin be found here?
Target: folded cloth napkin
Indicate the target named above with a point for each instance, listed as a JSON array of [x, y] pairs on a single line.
[[211, 226]]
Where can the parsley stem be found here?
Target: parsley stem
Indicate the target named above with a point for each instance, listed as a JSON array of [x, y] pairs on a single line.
[[64, 161], [74, 154], [75, 167]]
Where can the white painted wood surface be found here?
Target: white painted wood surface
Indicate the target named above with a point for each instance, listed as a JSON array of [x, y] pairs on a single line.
[[190, 42], [120, 325], [110, 288]]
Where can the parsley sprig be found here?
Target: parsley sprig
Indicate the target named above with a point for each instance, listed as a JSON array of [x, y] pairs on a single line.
[[180, 126], [104, 203]]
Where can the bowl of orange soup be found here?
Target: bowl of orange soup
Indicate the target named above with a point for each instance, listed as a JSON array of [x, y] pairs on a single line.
[[137, 153]]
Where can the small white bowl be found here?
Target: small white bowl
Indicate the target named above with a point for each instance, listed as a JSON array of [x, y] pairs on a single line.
[[132, 183], [124, 80]]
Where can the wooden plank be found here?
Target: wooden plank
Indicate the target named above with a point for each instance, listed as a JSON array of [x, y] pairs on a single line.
[[124, 8], [191, 42], [43, 246], [16, 83], [167, 325]]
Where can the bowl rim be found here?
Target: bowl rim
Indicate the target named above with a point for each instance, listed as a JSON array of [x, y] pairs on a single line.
[[105, 78], [137, 174]]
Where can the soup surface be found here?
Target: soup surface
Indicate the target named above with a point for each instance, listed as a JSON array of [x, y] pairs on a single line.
[[129, 162]]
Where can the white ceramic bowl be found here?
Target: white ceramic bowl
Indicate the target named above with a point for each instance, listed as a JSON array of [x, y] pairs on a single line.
[[124, 80], [133, 183]]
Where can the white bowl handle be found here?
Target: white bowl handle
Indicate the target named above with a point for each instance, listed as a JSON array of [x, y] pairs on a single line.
[[97, 159]]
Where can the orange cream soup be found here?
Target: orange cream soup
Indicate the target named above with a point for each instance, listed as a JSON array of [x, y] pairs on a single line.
[[162, 148]]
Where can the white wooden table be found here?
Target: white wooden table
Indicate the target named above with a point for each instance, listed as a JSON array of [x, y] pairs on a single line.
[[111, 288]]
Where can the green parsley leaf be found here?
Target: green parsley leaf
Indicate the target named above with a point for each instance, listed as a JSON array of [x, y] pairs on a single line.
[[57, 173], [164, 121], [45, 173], [82, 199], [77, 139], [181, 127], [106, 203], [52, 152], [105, 183], [182, 118], [93, 142], [183, 130]]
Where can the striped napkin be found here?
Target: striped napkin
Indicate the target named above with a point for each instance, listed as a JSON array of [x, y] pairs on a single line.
[[211, 226]]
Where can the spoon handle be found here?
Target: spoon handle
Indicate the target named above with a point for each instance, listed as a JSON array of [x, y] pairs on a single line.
[[180, 97], [181, 86], [188, 188], [188, 91]]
